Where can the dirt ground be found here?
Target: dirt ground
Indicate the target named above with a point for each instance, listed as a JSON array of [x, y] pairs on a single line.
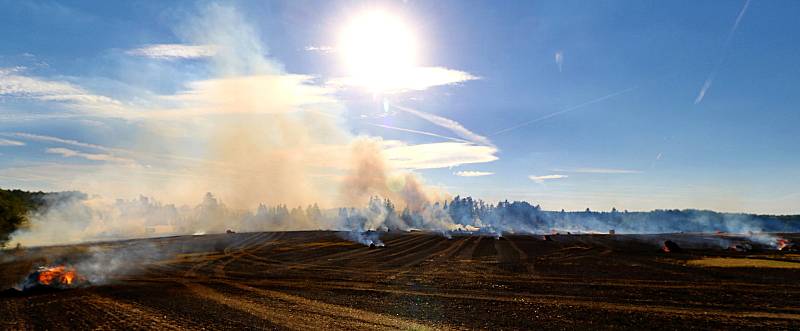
[[318, 280]]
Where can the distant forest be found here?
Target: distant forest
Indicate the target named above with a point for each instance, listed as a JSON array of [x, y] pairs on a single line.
[[468, 214], [457, 214]]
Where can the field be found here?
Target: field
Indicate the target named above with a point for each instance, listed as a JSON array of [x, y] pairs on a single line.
[[318, 280]]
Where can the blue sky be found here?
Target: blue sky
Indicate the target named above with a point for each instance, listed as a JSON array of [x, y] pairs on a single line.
[[570, 104]]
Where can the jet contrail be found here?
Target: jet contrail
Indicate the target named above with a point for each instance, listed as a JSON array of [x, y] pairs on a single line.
[[449, 124], [419, 132], [567, 110], [710, 79]]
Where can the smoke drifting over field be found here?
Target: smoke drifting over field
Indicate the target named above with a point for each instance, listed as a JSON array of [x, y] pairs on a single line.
[[287, 146], [78, 218], [266, 136]]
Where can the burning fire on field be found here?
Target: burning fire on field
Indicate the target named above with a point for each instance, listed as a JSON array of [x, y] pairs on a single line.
[[671, 247], [787, 246], [59, 276]]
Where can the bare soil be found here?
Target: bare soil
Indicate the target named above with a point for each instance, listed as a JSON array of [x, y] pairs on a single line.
[[318, 280]]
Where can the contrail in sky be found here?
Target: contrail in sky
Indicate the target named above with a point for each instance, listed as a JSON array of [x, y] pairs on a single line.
[[419, 132], [710, 78], [563, 111], [449, 124]]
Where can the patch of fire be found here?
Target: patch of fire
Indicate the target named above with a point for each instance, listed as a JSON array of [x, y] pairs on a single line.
[[671, 247], [57, 277], [787, 246]]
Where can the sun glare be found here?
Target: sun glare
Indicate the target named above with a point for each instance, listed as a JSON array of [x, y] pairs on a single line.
[[378, 50]]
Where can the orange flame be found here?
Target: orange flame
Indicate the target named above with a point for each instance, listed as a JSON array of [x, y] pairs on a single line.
[[58, 274]]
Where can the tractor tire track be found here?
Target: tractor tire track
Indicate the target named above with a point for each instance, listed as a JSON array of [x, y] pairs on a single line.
[[134, 316], [299, 313]]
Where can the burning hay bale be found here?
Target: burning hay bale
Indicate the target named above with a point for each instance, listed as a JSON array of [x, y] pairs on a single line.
[[671, 247], [788, 246], [57, 277]]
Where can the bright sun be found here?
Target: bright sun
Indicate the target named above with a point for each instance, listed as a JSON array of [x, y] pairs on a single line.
[[378, 50]]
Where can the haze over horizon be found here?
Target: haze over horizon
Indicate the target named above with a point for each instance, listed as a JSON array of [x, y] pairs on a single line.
[[570, 105]]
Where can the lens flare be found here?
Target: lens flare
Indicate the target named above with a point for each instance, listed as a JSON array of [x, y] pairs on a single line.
[[378, 49]]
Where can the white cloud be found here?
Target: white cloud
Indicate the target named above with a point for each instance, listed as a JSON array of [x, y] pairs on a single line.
[[437, 155], [600, 171], [321, 49], [425, 133], [541, 179], [279, 93], [174, 51], [451, 125], [13, 84], [472, 173], [417, 78], [142, 156], [66, 152], [706, 85], [50, 139], [559, 59], [7, 142]]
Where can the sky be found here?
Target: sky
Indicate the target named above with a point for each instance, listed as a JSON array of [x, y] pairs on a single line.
[[635, 105]]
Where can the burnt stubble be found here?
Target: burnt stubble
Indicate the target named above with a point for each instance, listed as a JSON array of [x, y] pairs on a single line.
[[318, 280]]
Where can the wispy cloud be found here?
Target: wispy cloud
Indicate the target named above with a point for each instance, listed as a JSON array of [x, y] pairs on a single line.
[[438, 155], [449, 124], [277, 93], [413, 79], [542, 179], [174, 51], [468, 148], [8, 142], [152, 157], [710, 79], [472, 173], [66, 152], [57, 140], [425, 133], [16, 85], [563, 111], [706, 85], [559, 57], [599, 171], [321, 49], [738, 20]]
